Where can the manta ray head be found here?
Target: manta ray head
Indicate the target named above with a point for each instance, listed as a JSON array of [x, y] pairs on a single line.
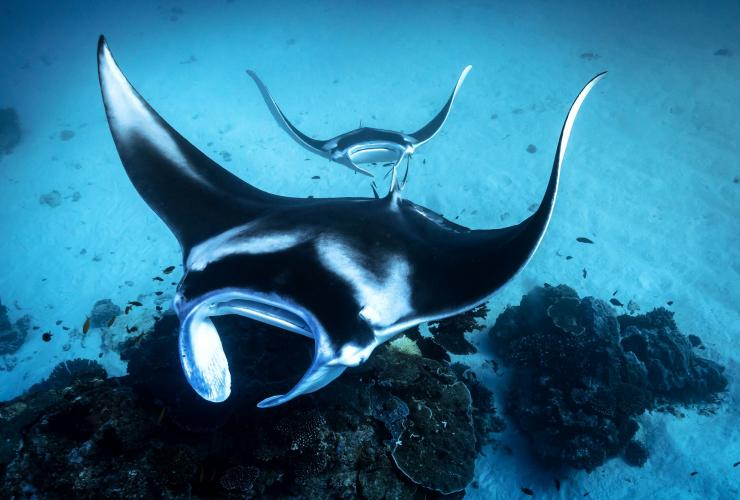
[[348, 273], [308, 270]]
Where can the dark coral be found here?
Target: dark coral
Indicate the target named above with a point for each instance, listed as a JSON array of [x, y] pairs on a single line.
[[636, 453], [583, 375], [102, 312], [400, 426], [240, 478], [436, 448], [67, 373], [675, 373], [450, 332], [485, 419], [429, 347], [10, 131]]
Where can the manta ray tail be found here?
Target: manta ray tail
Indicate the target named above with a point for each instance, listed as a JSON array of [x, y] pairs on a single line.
[[194, 196], [430, 129], [313, 145]]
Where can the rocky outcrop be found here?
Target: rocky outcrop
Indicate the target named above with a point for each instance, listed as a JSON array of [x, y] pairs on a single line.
[[12, 335], [10, 131], [400, 426], [583, 375]]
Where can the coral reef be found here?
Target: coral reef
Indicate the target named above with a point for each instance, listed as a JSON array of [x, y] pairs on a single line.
[[675, 373], [583, 374], [485, 419], [68, 373], [436, 447], [102, 312], [12, 335], [635, 453], [400, 426], [450, 332], [10, 130]]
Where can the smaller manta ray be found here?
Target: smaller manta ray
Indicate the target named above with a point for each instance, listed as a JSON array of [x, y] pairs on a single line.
[[349, 273], [365, 144]]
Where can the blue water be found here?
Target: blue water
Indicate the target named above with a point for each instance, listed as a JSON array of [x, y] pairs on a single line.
[[652, 173]]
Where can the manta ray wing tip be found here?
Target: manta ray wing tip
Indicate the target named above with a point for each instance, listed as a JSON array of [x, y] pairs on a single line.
[[271, 401], [102, 47], [599, 76]]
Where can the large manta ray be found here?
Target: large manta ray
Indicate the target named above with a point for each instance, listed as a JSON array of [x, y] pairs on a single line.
[[350, 273]]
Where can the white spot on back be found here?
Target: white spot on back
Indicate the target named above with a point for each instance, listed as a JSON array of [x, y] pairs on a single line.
[[238, 241], [385, 298]]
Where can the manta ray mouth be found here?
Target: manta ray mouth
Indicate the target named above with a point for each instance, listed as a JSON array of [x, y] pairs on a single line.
[[202, 355], [378, 153]]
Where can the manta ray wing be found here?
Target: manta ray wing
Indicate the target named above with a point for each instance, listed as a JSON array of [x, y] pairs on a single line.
[[194, 196], [430, 129], [313, 145], [351, 273]]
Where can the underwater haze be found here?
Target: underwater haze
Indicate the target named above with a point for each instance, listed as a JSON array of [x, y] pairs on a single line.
[[647, 216]]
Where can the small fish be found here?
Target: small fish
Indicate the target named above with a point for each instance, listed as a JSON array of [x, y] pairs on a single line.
[[159, 308], [736, 464], [135, 303], [132, 329], [389, 164], [693, 473], [86, 326], [527, 491], [424, 161], [46, 337], [615, 302], [581, 239], [158, 293], [670, 302], [161, 415], [168, 270], [568, 257], [127, 310], [615, 292], [59, 322], [137, 340], [557, 484], [65, 328], [157, 278], [315, 177], [584, 272], [587, 494]]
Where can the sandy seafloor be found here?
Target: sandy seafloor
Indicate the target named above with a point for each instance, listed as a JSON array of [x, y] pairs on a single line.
[[651, 175]]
